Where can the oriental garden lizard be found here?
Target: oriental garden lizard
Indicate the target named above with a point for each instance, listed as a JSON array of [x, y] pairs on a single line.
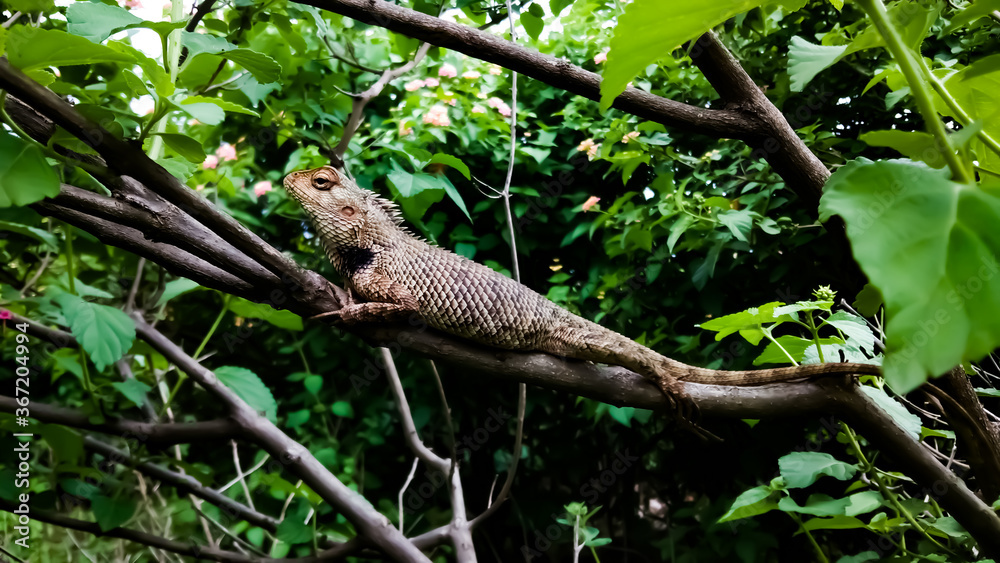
[[398, 274]]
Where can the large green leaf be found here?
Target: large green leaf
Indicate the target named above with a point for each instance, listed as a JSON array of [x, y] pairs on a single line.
[[757, 500], [650, 29], [25, 176], [96, 21], [278, 317], [916, 145], [250, 388], [806, 60], [262, 67], [111, 513], [104, 332], [30, 48], [801, 469], [930, 246]]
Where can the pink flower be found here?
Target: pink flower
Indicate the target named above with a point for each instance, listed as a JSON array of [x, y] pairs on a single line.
[[432, 82], [199, 187], [478, 109], [211, 161], [226, 152], [504, 110], [630, 137], [591, 201], [451, 102], [4, 315], [413, 85], [585, 145], [592, 151], [471, 75], [494, 102], [406, 131], [261, 188], [133, 4], [496, 70], [437, 115], [600, 58], [447, 71]]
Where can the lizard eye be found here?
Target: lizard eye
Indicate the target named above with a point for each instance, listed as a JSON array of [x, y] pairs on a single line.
[[321, 183]]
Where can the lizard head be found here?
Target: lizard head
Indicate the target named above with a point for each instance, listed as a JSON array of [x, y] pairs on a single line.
[[337, 206], [340, 209]]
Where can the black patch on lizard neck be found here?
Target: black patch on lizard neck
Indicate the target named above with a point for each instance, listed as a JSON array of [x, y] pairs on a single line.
[[353, 259]]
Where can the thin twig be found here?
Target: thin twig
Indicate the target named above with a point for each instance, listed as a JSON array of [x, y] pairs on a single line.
[[130, 300], [239, 471], [402, 490]]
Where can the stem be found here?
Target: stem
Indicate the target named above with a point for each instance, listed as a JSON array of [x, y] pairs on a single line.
[[767, 334], [955, 107], [819, 551], [918, 85], [70, 268], [181, 376], [815, 333]]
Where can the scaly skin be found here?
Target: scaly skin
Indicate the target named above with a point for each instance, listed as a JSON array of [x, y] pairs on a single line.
[[400, 275]]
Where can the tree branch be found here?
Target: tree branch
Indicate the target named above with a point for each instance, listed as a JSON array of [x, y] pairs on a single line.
[[158, 434], [369, 522]]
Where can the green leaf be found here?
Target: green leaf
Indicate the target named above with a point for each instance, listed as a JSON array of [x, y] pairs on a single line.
[[863, 557], [44, 237], [641, 38], [250, 388], [757, 500], [277, 317], [452, 161], [29, 48], [184, 146], [978, 9], [739, 222], [622, 414], [916, 145], [929, 245], [854, 328], [25, 176], [342, 408], [95, 21], [104, 332], [209, 114], [748, 323], [868, 301], [987, 392], [837, 522], [904, 418], [293, 531], [112, 512], [133, 389], [794, 345], [313, 383], [67, 445], [806, 60], [801, 469], [223, 104], [175, 288], [533, 24], [262, 67]]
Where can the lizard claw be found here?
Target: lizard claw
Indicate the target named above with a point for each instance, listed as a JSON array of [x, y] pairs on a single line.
[[684, 408]]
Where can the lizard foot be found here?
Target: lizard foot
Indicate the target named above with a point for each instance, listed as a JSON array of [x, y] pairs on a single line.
[[684, 408]]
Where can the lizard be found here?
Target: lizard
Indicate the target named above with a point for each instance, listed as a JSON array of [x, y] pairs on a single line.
[[399, 274]]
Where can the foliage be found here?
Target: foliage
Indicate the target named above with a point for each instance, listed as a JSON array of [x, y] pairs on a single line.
[[648, 230]]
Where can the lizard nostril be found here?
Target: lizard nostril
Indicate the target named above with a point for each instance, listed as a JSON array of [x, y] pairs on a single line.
[[347, 211]]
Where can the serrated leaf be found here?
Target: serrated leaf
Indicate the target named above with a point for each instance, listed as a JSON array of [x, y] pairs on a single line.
[[175, 288], [904, 418], [111, 513], [641, 38], [854, 328], [280, 318], [929, 245], [44, 237], [757, 500], [262, 67], [133, 390], [223, 104], [185, 146], [453, 162], [25, 176], [104, 332], [739, 222], [95, 21], [248, 386], [806, 60], [801, 469], [30, 48]]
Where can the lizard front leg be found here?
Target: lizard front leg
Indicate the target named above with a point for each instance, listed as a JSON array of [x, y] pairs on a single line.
[[391, 302]]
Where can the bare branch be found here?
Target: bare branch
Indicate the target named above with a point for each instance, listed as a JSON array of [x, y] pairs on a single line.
[[159, 434]]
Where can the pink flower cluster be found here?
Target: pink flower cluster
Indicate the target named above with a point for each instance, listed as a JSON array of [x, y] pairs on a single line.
[[471, 75], [600, 58], [590, 147], [261, 188], [496, 70], [437, 115], [447, 71], [630, 137], [225, 152], [500, 106], [591, 201]]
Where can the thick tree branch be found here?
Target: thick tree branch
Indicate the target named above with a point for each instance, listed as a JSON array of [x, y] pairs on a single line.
[[545, 68], [158, 434], [369, 522]]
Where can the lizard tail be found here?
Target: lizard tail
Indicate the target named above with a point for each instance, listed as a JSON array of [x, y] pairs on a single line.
[[582, 339]]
